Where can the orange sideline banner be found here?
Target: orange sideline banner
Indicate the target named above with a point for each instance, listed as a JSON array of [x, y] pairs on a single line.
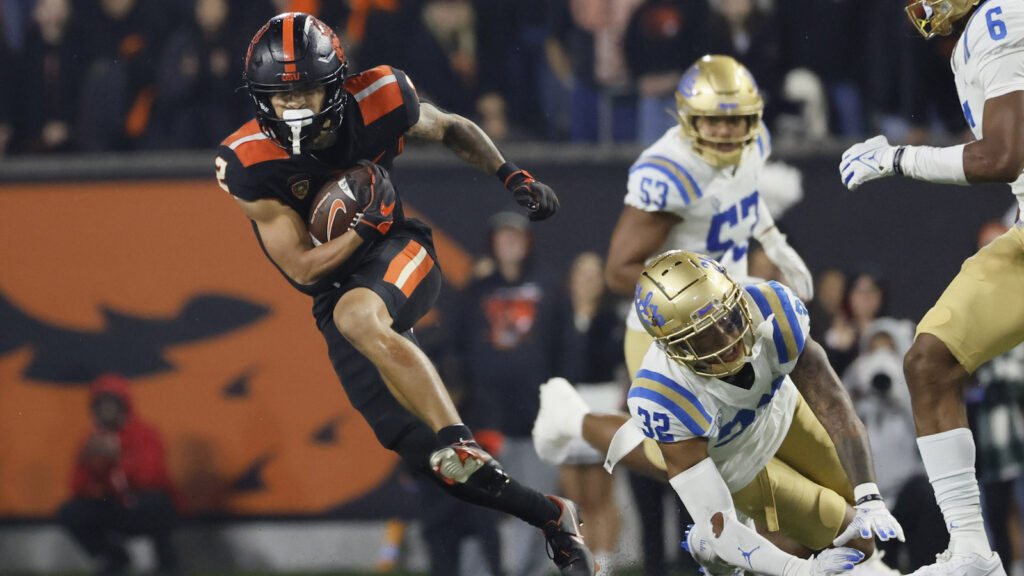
[[164, 282]]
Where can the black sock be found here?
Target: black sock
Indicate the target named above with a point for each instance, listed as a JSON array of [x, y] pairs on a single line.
[[454, 434], [524, 503]]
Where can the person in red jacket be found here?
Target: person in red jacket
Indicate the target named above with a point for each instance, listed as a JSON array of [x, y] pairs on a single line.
[[120, 486]]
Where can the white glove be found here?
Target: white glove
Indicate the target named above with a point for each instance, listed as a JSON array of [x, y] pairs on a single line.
[[830, 561], [789, 262], [867, 161], [559, 420], [701, 549], [872, 517]]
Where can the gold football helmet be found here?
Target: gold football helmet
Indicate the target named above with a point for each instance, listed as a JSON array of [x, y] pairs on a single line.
[[718, 86], [936, 17], [695, 312]]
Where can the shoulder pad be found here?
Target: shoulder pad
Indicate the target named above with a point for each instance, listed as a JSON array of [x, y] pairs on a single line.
[[685, 408], [252, 146], [677, 176], [790, 321], [377, 91]]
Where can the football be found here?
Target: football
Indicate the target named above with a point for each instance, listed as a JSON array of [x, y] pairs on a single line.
[[335, 206]]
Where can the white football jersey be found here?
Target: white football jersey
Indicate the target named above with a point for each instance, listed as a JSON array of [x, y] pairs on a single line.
[[988, 61], [744, 428], [720, 207]]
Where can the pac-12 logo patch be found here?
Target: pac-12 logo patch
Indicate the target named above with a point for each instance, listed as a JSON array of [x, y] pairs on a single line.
[[299, 185]]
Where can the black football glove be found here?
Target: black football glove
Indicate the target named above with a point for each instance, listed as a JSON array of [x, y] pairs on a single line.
[[378, 201], [537, 197]]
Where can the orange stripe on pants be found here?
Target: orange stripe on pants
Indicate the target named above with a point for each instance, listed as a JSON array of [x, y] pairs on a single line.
[[409, 267]]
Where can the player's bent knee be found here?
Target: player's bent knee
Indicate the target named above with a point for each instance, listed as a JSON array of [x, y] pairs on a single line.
[[928, 358], [358, 323]]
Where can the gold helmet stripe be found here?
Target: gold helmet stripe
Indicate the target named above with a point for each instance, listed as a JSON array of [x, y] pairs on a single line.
[[788, 335], [681, 402]]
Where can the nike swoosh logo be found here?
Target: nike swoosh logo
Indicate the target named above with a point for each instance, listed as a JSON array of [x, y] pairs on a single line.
[[336, 206], [385, 209]]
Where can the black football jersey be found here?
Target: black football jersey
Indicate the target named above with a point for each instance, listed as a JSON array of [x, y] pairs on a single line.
[[382, 105]]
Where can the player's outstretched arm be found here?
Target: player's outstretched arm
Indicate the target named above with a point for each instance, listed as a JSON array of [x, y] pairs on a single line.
[[824, 393], [706, 496], [997, 157], [469, 142], [637, 236], [286, 239]]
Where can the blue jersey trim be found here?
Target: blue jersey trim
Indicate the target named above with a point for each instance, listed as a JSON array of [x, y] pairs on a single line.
[[794, 322], [668, 173], [675, 387], [766, 311], [684, 171], [676, 410]]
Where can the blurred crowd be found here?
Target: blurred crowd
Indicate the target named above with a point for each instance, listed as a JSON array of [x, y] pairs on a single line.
[[115, 75]]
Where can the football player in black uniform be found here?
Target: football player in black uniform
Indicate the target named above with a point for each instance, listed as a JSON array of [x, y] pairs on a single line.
[[372, 283]]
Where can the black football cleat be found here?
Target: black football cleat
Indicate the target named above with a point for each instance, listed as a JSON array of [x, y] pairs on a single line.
[[565, 543]]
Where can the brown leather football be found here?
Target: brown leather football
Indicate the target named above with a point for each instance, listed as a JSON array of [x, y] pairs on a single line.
[[335, 207]]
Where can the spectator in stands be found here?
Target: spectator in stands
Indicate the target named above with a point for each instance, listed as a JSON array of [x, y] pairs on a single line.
[[865, 301], [197, 100], [48, 92], [585, 49], [749, 33], [393, 33], [120, 485], [828, 38], [829, 295], [6, 88], [502, 328], [122, 40], [663, 38], [933, 106], [591, 359], [510, 37], [994, 409]]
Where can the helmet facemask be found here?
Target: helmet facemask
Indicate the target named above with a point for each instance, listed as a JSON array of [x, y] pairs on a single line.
[[300, 130], [717, 86], [936, 17], [718, 343]]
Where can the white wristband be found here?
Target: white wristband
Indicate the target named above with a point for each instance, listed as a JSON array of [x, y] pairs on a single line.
[[941, 165], [862, 490]]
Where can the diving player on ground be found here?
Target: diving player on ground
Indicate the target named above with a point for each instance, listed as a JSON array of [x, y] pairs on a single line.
[[743, 411]]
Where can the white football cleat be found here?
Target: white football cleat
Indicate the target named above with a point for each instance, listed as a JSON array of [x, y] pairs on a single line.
[[559, 420], [950, 564]]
